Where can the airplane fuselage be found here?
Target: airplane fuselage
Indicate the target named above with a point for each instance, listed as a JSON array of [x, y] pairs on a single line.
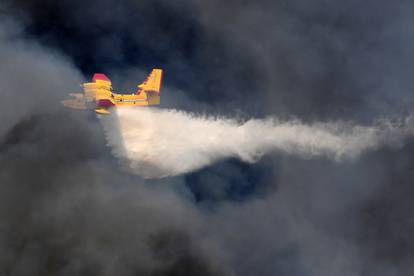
[[114, 99]]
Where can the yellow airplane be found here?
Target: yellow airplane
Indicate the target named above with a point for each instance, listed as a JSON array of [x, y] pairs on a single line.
[[99, 94]]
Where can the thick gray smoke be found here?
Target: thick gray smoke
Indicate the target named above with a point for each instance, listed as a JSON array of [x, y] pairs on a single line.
[[64, 208], [163, 142], [67, 209], [32, 78]]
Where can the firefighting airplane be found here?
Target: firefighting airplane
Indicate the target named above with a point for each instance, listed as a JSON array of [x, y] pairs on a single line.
[[99, 94]]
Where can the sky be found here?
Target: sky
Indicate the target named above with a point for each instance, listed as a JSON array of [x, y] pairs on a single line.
[[67, 205]]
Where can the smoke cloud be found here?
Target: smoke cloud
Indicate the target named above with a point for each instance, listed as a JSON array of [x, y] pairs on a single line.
[[164, 142], [67, 209], [61, 210], [32, 78]]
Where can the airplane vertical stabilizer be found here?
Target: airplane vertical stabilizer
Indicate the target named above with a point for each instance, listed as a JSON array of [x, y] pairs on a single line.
[[152, 83]]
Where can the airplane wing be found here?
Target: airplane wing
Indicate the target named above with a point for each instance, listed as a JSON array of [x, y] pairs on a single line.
[[99, 93], [100, 86]]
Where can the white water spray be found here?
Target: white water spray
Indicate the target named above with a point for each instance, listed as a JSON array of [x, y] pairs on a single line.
[[163, 142]]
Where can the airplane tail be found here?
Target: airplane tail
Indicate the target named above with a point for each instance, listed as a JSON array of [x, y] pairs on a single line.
[[152, 87], [152, 83]]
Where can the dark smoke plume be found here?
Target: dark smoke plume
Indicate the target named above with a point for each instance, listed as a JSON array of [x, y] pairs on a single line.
[[67, 208]]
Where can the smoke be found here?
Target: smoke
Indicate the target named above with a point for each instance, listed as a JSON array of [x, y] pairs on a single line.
[[66, 208], [32, 78], [164, 142]]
